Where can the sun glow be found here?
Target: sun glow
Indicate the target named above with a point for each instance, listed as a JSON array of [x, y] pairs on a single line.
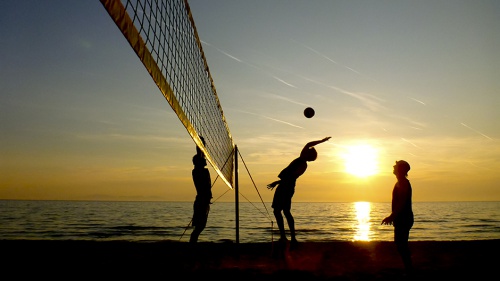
[[361, 160]]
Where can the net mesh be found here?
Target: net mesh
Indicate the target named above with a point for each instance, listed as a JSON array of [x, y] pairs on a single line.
[[164, 36]]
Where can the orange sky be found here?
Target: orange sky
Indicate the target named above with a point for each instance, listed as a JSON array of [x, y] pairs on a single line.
[[82, 119]]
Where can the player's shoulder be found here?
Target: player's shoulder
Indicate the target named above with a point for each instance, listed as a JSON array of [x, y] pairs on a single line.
[[403, 183]]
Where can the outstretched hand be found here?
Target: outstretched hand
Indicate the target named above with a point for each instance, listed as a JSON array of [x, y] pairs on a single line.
[[313, 143], [272, 185], [388, 220]]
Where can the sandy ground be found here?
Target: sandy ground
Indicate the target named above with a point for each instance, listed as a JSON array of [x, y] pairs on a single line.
[[165, 260]]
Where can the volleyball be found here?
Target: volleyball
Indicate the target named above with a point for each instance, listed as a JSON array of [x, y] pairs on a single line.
[[309, 112]]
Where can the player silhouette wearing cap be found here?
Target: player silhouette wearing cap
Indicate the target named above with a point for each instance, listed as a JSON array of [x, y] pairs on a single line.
[[401, 212]]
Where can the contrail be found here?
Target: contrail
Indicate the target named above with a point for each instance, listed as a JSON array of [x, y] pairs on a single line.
[[369, 101], [416, 128], [233, 57], [472, 164], [418, 101], [410, 143], [289, 100], [248, 64], [476, 131], [283, 122], [324, 56], [333, 61], [277, 120], [284, 82]]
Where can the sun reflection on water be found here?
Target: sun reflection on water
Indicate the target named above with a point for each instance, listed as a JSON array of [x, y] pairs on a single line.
[[363, 221]]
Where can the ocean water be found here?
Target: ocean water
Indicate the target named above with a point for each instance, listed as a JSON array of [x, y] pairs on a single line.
[[157, 221]]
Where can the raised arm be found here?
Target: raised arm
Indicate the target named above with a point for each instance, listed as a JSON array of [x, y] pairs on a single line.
[[198, 150], [313, 143]]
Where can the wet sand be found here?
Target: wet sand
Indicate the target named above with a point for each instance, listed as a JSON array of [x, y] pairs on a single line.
[[165, 260]]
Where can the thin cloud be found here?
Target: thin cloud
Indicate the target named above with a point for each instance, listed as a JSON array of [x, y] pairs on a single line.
[[130, 137], [421, 102], [248, 64], [270, 118], [476, 131], [333, 61], [284, 122], [287, 99], [284, 82], [405, 140], [221, 51], [368, 100]]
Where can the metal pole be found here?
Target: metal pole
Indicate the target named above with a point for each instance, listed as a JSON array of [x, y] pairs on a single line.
[[236, 195]]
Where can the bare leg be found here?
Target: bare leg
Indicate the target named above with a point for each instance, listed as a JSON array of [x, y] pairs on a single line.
[[291, 223], [195, 234], [401, 236], [280, 222]]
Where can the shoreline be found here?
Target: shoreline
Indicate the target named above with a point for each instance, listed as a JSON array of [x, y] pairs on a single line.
[[336, 260]]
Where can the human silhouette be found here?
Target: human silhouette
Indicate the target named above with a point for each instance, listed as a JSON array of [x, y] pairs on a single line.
[[282, 200], [202, 183], [401, 216]]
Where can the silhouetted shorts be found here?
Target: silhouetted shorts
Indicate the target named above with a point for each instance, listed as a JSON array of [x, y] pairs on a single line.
[[402, 227], [200, 213], [282, 199]]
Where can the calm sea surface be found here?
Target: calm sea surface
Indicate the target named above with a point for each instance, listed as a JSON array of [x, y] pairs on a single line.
[[156, 221]]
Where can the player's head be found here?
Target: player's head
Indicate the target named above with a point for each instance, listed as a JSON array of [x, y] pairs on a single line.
[[199, 161], [401, 168], [309, 154]]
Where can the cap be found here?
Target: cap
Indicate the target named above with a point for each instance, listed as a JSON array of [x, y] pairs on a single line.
[[403, 165]]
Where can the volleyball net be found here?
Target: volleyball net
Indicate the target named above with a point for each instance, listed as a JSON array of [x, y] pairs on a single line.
[[164, 37]]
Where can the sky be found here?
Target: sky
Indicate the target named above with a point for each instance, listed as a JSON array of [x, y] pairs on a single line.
[[81, 118]]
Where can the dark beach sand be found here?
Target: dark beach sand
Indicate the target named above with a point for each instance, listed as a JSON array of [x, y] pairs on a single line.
[[166, 260]]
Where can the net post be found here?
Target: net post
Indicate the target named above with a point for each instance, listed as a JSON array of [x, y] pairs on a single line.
[[236, 195]]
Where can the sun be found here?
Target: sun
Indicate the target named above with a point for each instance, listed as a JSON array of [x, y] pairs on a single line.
[[361, 160]]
